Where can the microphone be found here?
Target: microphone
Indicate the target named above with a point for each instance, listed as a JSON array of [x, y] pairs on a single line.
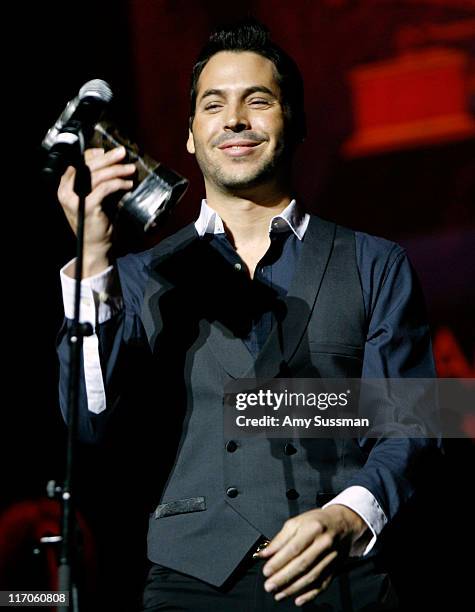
[[77, 119], [156, 187]]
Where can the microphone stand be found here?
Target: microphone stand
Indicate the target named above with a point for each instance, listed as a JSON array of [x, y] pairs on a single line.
[[66, 568]]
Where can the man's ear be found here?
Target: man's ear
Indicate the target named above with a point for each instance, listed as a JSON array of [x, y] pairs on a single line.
[[190, 143]]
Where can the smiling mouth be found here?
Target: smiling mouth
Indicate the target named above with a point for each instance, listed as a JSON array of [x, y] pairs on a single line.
[[239, 149], [240, 146]]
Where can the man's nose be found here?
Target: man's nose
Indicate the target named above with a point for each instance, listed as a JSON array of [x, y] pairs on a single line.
[[237, 118]]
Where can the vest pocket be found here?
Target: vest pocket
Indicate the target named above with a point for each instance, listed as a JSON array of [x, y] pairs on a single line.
[[180, 506]]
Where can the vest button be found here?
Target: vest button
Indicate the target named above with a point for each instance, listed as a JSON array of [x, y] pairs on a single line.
[[289, 449], [231, 446], [292, 494], [232, 492]]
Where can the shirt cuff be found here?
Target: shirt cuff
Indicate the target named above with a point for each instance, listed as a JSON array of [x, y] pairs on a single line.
[[362, 501], [100, 296]]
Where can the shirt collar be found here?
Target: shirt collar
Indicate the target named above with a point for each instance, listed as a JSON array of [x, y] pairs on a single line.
[[209, 222]]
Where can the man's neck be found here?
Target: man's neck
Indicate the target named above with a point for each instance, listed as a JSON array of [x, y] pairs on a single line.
[[247, 219]]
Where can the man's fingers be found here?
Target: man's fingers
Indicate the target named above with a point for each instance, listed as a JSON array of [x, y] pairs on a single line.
[[90, 153], [99, 164], [112, 172], [105, 189], [96, 162], [288, 531], [65, 187], [298, 564], [302, 539], [318, 573], [106, 175], [306, 597], [67, 178], [69, 173]]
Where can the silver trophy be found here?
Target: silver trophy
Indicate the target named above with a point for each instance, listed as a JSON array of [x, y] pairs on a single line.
[[156, 188]]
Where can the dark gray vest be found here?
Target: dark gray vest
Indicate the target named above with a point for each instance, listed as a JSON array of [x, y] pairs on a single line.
[[219, 497]]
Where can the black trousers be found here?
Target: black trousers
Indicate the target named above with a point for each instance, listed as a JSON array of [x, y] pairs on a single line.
[[361, 586]]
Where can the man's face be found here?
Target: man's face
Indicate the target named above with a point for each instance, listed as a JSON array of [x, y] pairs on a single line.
[[238, 129]]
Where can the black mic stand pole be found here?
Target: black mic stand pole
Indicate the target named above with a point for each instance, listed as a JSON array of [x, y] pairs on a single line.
[[67, 569]]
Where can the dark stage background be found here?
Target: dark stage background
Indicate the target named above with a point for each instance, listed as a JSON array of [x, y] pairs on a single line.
[[390, 99]]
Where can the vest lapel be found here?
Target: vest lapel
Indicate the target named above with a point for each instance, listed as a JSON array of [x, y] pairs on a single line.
[[292, 317], [299, 302], [157, 284], [229, 350]]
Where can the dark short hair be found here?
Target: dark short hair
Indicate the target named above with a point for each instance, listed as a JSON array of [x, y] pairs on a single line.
[[251, 35]]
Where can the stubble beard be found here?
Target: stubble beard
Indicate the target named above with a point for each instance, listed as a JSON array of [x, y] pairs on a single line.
[[226, 180]]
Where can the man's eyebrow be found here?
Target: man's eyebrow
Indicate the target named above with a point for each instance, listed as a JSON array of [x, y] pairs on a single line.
[[248, 91]]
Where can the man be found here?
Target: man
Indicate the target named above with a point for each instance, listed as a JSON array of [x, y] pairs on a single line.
[[255, 288]]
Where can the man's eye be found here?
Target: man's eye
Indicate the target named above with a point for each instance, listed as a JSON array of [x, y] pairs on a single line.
[[212, 106], [259, 101]]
